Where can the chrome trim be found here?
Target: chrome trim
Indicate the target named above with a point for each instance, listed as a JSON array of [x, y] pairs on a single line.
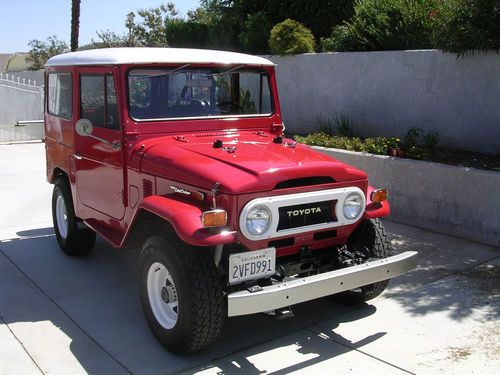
[[303, 289], [273, 203]]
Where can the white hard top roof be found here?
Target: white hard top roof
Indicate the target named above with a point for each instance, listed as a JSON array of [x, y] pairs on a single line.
[[138, 55]]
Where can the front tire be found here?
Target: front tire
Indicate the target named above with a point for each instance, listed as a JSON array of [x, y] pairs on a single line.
[[73, 237], [371, 235], [181, 294]]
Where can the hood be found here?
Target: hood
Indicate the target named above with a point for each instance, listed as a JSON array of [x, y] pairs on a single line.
[[247, 162]]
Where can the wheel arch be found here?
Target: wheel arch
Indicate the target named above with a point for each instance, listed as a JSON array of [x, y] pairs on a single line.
[[159, 213], [58, 173], [145, 224]]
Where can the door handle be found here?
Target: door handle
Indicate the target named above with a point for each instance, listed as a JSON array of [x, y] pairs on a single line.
[[77, 157]]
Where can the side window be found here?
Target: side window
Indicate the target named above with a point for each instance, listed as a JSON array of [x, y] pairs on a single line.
[[59, 102], [98, 100]]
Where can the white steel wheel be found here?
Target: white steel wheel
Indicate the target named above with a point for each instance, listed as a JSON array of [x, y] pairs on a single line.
[[181, 293], [61, 217], [162, 295]]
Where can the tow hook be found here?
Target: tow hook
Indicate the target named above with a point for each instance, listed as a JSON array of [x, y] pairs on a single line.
[[280, 314]]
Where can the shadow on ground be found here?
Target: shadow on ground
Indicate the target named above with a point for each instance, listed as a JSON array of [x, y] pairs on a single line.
[[94, 301], [464, 275]]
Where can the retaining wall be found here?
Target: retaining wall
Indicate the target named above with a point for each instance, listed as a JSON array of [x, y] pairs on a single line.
[[463, 202], [386, 93]]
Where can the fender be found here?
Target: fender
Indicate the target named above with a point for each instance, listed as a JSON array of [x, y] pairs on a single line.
[[375, 210], [186, 221]]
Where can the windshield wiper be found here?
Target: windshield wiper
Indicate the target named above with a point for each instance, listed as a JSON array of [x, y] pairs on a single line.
[[226, 72], [170, 73]]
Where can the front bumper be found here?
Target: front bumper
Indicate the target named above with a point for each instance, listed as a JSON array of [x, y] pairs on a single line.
[[307, 288]]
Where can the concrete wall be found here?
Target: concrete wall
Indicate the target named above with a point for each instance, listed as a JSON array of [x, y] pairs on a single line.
[[386, 93], [462, 202]]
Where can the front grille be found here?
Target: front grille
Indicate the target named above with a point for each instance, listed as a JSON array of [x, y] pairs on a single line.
[[302, 215], [305, 181]]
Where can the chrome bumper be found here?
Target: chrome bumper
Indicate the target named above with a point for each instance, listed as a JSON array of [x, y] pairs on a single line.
[[307, 288]]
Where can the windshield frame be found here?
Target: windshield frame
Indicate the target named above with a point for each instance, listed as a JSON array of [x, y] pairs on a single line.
[[224, 69]]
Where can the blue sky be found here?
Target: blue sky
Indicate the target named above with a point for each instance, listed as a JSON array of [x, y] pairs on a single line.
[[37, 19]]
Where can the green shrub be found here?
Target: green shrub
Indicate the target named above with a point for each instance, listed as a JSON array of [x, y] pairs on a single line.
[[344, 126], [339, 41], [465, 26], [378, 145], [431, 140], [412, 137], [291, 37], [385, 25], [324, 125]]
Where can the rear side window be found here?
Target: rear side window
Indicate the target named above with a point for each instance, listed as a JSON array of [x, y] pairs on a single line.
[[59, 94], [98, 100]]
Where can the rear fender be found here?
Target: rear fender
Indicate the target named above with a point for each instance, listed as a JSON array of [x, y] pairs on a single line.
[[375, 210], [185, 220]]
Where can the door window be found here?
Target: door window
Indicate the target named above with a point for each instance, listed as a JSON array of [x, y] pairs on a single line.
[[98, 100]]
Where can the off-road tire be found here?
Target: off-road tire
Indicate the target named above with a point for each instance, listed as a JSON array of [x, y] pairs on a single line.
[[201, 307], [77, 239], [372, 235]]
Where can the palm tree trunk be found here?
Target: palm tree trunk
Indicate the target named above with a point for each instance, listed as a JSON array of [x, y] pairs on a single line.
[[75, 23]]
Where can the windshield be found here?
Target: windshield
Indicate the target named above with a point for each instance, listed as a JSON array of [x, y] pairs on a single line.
[[198, 92]]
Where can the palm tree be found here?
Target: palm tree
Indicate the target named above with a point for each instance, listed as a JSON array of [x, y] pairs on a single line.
[[75, 23]]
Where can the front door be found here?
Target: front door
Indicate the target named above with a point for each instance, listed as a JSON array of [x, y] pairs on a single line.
[[98, 163]]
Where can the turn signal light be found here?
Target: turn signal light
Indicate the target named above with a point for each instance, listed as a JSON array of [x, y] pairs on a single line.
[[378, 195], [214, 218]]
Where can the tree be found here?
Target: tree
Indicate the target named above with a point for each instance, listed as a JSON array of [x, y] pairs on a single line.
[[320, 16], [384, 25], [255, 34], [151, 30], [107, 39], [75, 24], [466, 26], [181, 33], [40, 51], [291, 37]]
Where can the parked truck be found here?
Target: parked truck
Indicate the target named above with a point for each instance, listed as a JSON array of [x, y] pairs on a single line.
[[182, 152]]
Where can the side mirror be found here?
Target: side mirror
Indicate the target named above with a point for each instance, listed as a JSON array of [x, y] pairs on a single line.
[[84, 127]]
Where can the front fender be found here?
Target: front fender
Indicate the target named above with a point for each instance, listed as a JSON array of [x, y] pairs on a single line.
[[186, 221], [375, 210]]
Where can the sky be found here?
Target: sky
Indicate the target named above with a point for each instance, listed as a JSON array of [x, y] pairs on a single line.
[[24, 20]]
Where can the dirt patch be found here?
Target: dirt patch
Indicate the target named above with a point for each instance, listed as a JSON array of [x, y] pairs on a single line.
[[457, 354]]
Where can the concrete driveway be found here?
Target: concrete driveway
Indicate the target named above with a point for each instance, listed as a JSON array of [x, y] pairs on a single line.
[[62, 315]]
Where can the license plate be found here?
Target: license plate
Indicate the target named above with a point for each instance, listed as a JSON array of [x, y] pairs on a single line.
[[252, 265]]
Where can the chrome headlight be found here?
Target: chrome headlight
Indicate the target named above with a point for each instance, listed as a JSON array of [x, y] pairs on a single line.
[[353, 206], [258, 220]]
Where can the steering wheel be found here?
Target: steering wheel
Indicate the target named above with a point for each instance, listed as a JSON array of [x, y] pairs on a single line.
[[231, 105]]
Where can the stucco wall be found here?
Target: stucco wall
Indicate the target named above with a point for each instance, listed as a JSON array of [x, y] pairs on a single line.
[[386, 93]]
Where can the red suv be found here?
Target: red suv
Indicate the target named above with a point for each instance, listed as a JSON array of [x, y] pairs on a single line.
[[181, 152]]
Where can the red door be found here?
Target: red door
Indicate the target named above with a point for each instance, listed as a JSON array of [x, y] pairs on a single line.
[[98, 163]]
